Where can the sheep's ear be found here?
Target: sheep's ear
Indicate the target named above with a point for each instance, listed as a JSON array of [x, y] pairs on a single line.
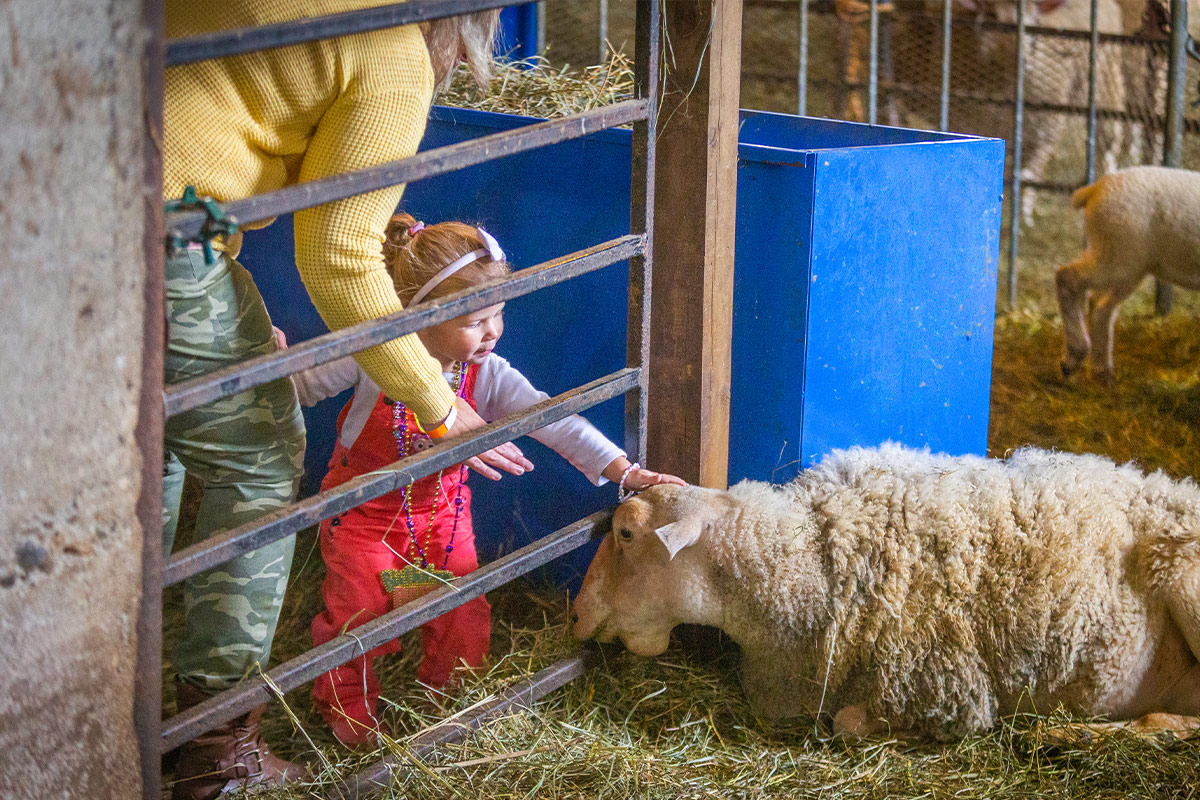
[[678, 535]]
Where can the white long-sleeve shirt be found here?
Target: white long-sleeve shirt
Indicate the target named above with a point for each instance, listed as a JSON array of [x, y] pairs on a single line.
[[500, 389]]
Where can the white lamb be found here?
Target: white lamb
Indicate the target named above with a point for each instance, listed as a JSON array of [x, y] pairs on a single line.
[[922, 593], [1139, 221]]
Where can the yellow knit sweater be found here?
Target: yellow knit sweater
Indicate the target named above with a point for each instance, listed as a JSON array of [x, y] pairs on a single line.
[[244, 125]]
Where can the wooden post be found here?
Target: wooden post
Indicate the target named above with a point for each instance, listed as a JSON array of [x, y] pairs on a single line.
[[694, 200]]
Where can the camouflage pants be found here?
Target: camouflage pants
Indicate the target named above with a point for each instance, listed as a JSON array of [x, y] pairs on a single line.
[[247, 449]]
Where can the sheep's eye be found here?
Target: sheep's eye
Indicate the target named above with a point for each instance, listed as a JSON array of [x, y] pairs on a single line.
[[625, 534]]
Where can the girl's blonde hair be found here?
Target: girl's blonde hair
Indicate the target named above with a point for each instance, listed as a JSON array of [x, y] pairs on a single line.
[[413, 258], [470, 35]]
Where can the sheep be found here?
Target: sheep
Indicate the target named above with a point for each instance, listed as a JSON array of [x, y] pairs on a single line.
[[1139, 221], [923, 594]]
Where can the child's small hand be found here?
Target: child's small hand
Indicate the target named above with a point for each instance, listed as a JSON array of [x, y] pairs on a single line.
[[639, 479], [280, 338], [635, 477]]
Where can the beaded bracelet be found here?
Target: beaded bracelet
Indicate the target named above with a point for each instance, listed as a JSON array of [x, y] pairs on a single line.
[[622, 493]]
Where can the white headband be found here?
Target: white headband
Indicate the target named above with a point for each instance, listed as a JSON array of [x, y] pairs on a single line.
[[493, 250]]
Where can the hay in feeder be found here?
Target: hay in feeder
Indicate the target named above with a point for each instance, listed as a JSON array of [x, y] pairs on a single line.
[[534, 88]]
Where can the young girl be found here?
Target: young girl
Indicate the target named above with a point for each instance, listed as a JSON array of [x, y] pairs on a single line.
[[382, 553]]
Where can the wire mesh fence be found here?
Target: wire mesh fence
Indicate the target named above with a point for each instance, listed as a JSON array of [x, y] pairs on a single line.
[[979, 97]]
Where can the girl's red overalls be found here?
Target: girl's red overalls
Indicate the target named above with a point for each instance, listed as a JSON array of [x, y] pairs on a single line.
[[358, 545]]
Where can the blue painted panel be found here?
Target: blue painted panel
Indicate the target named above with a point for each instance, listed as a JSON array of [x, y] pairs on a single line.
[[902, 296], [770, 310], [518, 35], [793, 133]]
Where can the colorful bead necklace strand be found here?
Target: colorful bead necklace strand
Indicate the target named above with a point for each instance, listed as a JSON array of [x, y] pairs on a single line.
[[403, 445]]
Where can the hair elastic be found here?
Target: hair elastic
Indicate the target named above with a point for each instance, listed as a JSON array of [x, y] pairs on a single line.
[[492, 250], [624, 494], [416, 228]]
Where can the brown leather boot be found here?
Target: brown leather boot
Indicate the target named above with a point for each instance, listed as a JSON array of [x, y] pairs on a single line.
[[230, 757]]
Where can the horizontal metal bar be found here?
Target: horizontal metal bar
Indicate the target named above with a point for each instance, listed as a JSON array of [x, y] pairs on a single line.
[[287, 521], [521, 696], [187, 224], [193, 393], [917, 9], [254, 691], [1060, 33], [310, 29], [1051, 186]]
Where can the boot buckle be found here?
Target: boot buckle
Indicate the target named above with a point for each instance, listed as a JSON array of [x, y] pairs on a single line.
[[253, 773]]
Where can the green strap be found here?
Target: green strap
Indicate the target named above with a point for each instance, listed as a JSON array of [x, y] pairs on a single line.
[[218, 223]]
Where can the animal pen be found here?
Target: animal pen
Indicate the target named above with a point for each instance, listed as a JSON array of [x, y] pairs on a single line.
[[681, 232], [200, 220], [1074, 96]]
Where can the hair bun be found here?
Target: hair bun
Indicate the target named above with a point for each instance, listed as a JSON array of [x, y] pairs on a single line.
[[397, 233]]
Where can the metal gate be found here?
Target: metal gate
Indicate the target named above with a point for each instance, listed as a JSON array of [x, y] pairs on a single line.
[[632, 381]]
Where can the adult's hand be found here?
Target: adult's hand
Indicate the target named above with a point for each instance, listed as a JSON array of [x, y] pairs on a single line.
[[507, 457]]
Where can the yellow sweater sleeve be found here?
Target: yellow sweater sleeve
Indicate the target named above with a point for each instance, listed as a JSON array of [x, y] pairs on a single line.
[[339, 245]]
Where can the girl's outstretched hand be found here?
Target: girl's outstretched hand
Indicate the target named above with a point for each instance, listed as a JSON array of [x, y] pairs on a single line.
[[636, 478], [507, 457], [639, 479]]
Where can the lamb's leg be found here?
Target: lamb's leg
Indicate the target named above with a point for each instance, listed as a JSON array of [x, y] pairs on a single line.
[[1071, 284], [1103, 322]]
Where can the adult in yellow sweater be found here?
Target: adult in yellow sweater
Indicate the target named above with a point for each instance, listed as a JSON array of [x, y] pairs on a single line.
[[236, 127]]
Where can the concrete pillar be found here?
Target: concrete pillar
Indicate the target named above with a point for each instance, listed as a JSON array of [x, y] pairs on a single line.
[[71, 316]]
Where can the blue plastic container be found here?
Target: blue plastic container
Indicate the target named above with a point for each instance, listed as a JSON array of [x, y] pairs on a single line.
[[864, 290], [864, 296]]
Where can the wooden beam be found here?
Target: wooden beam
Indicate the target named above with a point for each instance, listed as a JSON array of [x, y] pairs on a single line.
[[694, 213]]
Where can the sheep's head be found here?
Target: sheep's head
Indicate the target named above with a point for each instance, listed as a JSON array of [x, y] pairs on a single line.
[[647, 576]]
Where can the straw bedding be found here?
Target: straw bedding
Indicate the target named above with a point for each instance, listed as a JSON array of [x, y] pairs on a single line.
[[680, 727]]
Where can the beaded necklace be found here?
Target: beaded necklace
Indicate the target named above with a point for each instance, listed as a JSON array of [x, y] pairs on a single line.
[[417, 579]]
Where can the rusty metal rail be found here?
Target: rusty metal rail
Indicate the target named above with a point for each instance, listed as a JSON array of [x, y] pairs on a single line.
[[311, 29], [186, 395], [304, 668], [287, 521], [636, 248], [428, 164]]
